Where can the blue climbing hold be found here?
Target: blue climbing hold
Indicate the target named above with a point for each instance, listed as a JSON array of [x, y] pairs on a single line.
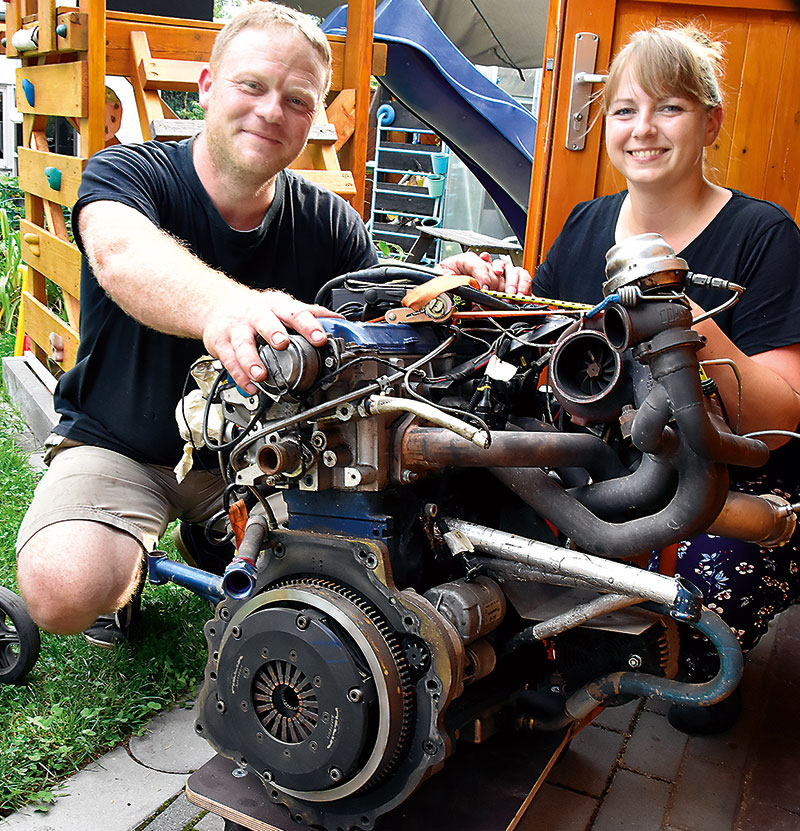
[[53, 176], [30, 92]]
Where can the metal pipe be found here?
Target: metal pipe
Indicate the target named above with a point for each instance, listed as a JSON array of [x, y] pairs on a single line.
[[160, 570], [428, 448], [767, 520], [698, 498], [580, 614], [377, 404], [581, 703], [682, 598]]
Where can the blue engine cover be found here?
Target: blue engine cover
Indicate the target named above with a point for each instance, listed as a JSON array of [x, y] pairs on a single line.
[[389, 338]]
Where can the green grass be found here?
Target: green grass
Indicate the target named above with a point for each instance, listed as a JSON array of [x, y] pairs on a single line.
[[79, 701]]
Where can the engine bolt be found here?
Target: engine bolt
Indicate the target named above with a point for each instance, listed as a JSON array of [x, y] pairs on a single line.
[[236, 632], [220, 706], [431, 510], [330, 362], [430, 746], [265, 652], [312, 746], [408, 476], [355, 695], [335, 775], [293, 656], [634, 661], [329, 458], [245, 706], [317, 681], [259, 737], [225, 613], [246, 672], [319, 440], [301, 622], [267, 774], [238, 773]]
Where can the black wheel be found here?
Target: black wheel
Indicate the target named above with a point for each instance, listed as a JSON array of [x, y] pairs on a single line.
[[19, 639]]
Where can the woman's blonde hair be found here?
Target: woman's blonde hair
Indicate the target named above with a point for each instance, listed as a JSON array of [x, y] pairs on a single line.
[[665, 62]]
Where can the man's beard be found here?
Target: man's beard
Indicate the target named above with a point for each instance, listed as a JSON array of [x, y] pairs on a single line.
[[226, 160]]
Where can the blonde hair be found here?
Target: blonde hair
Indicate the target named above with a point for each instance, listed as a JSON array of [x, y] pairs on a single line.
[[664, 62], [267, 15]]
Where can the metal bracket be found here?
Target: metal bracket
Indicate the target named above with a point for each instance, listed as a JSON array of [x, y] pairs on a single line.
[[580, 95]]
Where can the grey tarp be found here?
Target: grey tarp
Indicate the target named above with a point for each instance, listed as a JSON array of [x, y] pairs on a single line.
[[488, 32]]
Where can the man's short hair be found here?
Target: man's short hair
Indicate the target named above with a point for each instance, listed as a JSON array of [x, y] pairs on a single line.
[[266, 15]]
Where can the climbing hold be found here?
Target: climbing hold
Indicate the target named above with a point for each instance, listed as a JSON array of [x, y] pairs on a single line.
[[53, 176], [61, 30], [30, 92]]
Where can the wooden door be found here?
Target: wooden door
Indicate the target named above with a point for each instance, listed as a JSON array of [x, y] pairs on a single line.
[[758, 150]]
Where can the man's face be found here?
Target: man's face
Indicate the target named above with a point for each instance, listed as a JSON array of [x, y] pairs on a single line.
[[260, 102]]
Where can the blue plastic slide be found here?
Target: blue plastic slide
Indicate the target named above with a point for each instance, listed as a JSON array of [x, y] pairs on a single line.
[[488, 130]]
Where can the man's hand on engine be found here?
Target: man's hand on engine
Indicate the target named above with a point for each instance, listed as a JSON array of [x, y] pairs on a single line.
[[496, 275], [230, 333]]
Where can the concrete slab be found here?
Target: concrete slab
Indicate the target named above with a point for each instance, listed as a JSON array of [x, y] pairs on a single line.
[[588, 763], [211, 822], [558, 809], [31, 396], [175, 817], [706, 797], [170, 744], [114, 794], [655, 748], [633, 803]]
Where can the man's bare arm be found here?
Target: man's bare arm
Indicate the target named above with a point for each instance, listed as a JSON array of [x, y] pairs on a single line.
[[153, 278]]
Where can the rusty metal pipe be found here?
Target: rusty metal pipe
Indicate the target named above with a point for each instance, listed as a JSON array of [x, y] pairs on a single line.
[[429, 448], [767, 520]]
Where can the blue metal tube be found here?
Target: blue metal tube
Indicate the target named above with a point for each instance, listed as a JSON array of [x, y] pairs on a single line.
[[581, 703], [160, 570]]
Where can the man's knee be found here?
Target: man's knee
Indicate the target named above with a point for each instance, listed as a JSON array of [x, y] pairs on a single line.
[[71, 572]]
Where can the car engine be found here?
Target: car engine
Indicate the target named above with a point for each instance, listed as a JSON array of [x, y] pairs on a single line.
[[474, 484]]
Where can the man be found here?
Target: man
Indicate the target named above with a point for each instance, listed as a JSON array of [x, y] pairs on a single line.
[[188, 248]]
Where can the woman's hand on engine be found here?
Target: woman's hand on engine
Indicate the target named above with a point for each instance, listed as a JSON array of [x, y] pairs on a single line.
[[495, 275], [230, 333]]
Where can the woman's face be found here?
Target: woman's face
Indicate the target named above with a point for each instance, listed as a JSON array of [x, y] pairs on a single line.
[[658, 141]]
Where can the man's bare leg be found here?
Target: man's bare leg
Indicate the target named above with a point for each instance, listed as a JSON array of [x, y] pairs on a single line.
[[71, 572]]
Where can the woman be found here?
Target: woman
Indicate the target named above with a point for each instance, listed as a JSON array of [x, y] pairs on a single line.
[[662, 108]]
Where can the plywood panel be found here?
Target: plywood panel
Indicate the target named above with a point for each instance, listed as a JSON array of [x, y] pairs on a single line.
[[59, 89], [32, 177], [58, 260]]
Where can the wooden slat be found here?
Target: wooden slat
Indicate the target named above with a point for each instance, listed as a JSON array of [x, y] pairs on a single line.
[[342, 116], [40, 322], [58, 260], [169, 74], [59, 89], [93, 129], [47, 25], [339, 181], [759, 89], [32, 178], [782, 180], [148, 102]]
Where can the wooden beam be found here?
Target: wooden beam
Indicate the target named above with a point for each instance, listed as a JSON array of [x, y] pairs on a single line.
[[93, 130], [342, 115], [338, 181]]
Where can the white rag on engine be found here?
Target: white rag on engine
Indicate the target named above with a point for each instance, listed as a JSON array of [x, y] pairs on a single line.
[[190, 410]]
